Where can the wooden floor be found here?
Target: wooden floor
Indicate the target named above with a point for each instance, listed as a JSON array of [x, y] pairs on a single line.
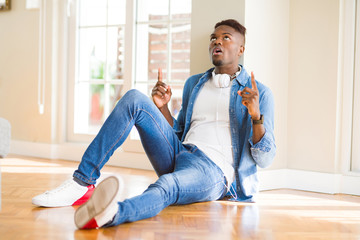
[[279, 214]]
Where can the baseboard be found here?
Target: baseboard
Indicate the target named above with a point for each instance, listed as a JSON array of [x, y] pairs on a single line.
[[350, 185], [269, 179], [75, 151], [301, 180]]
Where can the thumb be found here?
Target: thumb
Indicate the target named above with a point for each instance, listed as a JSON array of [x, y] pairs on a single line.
[[168, 89]]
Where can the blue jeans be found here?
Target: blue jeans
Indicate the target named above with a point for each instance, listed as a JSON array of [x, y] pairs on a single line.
[[186, 175]]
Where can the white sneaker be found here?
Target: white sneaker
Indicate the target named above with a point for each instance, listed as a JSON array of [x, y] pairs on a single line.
[[70, 193], [101, 207]]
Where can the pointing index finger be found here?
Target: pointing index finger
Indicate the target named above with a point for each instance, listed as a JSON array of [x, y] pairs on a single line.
[[253, 82], [160, 75]]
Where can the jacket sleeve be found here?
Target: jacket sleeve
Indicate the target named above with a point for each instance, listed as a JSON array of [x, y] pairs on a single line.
[[179, 123], [263, 152]]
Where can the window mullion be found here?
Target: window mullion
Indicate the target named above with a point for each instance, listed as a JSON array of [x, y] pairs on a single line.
[[130, 36], [169, 46], [106, 67]]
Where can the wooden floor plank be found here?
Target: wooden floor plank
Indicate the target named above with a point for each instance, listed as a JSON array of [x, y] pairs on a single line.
[[279, 214]]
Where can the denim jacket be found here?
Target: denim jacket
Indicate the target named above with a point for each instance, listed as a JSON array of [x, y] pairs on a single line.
[[246, 154]]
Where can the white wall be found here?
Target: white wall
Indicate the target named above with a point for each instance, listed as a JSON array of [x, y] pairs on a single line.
[[19, 37], [266, 54], [291, 48], [312, 93]]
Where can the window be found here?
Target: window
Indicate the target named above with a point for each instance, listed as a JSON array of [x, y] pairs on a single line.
[[112, 50], [99, 62], [163, 41], [355, 159]]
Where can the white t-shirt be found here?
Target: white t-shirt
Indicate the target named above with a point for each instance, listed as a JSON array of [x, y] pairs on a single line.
[[210, 127]]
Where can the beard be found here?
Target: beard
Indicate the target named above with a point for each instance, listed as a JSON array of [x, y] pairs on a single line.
[[217, 63]]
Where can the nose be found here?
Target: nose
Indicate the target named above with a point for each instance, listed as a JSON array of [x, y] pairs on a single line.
[[218, 42]]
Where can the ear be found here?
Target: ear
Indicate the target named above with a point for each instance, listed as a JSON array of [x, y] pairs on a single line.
[[241, 50]]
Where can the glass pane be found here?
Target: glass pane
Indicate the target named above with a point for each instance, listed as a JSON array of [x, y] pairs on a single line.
[[115, 95], [96, 114], [116, 12], [92, 53], [116, 52], [142, 53], [176, 102], [158, 51], [151, 52], [89, 108], [152, 10], [180, 9], [92, 12], [180, 52], [81, 109]]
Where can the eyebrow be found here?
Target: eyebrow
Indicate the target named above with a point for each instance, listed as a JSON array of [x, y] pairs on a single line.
[[226, 33]]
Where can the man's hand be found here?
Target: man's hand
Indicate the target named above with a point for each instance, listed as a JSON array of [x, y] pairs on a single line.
[[161, 93], [250, 99]]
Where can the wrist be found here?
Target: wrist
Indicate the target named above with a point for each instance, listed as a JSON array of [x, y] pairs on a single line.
[[259, 120], [164, 108], [256, 117]]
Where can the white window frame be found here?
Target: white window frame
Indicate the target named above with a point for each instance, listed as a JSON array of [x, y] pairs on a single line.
[[355, 149], [348, 74]]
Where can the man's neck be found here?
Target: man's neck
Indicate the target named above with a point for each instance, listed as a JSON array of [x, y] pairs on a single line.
[[226, 70]]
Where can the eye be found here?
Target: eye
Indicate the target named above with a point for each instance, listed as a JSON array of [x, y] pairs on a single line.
[[227, 38], [212, 39]]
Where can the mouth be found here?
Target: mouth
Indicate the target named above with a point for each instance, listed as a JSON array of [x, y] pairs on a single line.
[[216, 51]]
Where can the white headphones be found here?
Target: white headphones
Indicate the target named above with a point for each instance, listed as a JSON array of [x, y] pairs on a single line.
[[221, 80]]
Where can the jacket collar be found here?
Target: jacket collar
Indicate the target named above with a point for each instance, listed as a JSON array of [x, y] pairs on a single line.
[[243, 77]]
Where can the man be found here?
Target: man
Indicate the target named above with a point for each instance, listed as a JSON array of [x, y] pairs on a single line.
[[223, 131]]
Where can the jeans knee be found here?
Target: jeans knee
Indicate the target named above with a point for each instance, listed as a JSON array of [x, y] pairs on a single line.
[[132, 98], [135, 95]]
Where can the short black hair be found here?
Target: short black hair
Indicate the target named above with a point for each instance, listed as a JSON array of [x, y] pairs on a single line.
[[234, 24]]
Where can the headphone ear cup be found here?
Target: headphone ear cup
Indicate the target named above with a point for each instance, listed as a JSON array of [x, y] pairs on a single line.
[[221, 80]]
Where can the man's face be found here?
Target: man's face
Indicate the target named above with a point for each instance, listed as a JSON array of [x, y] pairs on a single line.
[[226, 46]]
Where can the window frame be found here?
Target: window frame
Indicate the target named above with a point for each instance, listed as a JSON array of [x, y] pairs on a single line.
[[344, 158], [355, 137]]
